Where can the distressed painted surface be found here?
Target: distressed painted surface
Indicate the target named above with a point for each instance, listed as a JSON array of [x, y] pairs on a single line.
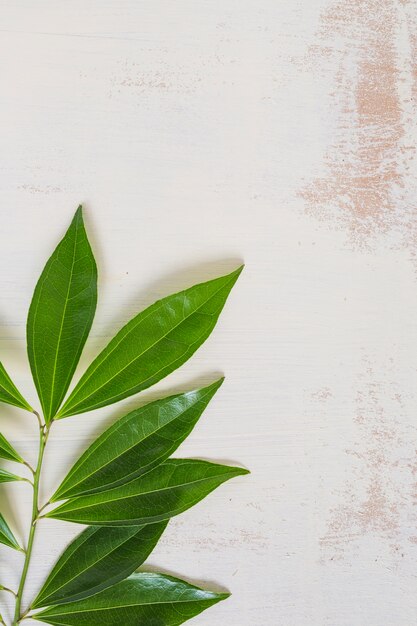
[[367, 182], [198, 134]]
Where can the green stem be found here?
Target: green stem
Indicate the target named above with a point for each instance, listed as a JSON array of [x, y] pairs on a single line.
[[43, 436]]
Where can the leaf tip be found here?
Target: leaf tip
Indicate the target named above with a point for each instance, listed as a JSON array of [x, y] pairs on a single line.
[[241, 471], [216, 385], [223, 596], [78, 219], [237, 272], [232, 277]]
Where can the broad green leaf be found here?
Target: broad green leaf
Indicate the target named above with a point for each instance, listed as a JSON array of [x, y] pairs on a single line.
[[97, 559], [168, 490], [151, 345], [9, 393], [6, 535], [136, 443], [8, 452], [7, 477], [141, 600], [61, 314]]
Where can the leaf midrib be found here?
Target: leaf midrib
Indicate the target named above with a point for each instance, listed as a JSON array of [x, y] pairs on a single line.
[[15, 398], [104, 556], [145, 493], [122, 606], [127, 450], [8, 540], [62, 318], [139, 355]]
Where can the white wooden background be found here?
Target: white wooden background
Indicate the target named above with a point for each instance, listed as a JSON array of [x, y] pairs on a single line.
[[200, 133]]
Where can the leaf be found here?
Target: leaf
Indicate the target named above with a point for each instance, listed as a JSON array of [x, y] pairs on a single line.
[[7, 477], [141, 600], [168, 490], [97, 559], [9, 393], [61, 314], [136, 443], [8, 452], [151, 345], [6, 535]]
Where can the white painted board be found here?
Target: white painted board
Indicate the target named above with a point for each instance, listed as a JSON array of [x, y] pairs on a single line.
[[197, 134]]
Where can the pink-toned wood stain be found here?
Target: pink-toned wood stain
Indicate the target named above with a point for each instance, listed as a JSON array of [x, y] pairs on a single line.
[[377, 500], [365, 183]]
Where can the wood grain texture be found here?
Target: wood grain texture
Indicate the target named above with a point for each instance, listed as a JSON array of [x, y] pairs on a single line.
[[199, 135]]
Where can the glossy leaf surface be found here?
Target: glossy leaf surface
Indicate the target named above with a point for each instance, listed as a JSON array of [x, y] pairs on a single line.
[[8, 477], [8, 452], [97, 559], [151, 345], [168, 490], [61, 314], [9, 393], [141, 600], [6, 536], [136, 443]]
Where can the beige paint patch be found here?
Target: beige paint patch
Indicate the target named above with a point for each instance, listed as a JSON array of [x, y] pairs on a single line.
[[367, 50], [322, 394], [378, 497], [47, 189], [166, 77]]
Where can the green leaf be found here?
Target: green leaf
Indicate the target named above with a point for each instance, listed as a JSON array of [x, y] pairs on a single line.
[[61, 314], [6, 535], [151, 345], [8, 452], [136, 443], [97, 559], [9, 393], [7, 477], [141, 600], [169, 489]]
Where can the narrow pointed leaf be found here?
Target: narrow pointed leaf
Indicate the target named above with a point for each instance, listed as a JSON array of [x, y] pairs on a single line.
[[97, 559], [168, 490], [136, 443], [151, 345], [61, 314], [8, 477], [9, 393], [6, 536], [141, 600], [8, 452]]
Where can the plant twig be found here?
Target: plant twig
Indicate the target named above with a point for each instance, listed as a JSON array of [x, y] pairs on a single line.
[[43, 436], [41, 424], [29, 466], [8, 590], [43, 508]]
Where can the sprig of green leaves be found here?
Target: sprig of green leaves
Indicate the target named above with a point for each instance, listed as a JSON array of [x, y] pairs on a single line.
[[125, 487]]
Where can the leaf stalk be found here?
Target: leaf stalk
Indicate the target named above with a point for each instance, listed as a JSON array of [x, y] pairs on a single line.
[[28, 465], [8, 590]]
